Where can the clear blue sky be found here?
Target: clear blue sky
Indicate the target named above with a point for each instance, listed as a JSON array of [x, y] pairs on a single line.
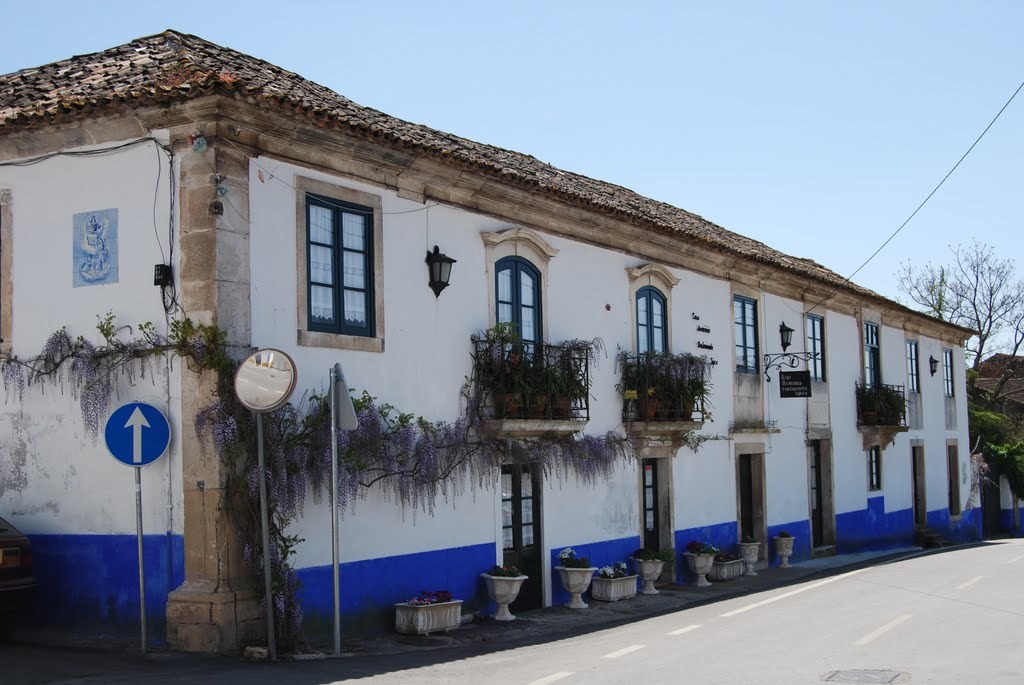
[[815, 127]]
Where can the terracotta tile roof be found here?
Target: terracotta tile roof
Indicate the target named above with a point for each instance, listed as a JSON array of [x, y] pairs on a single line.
[[173, 67]]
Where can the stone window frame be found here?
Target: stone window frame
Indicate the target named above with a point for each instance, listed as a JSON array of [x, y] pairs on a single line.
[[525, 244], [6, 269], [740, 291], [341, 341], [661, 279]]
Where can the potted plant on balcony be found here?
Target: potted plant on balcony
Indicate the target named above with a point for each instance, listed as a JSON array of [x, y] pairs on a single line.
[[668, 386], [650, 563], [700, 557], [501, 369], [428, 612], [750, 549], [576, 573], [572, 361], [784, 547], [613, 583], [503, 583], [727, 566]]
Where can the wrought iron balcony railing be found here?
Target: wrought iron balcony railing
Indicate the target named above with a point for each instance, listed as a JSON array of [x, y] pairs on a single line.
[[664, 387], [532, 381], [881, 405]]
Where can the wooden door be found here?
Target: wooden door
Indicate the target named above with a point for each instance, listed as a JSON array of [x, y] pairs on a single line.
[[520, 521]]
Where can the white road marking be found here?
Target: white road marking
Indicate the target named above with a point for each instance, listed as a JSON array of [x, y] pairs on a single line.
[[784, 595], [1015, 559], [683, 630], [554, 677], [972, 581], [622, 652], [884, 629]]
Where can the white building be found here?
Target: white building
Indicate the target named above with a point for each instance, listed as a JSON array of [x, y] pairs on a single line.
[[234, 172]]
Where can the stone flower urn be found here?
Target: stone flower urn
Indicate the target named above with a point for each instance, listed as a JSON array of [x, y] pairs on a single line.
[[650, 571], [700, 565], [749, 552], [784, 548], [503, 590], [576, 581]]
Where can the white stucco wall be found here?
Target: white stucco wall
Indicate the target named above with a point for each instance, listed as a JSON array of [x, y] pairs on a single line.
[[54, 476]]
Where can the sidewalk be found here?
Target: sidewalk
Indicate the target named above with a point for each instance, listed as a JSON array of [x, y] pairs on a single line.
[[552, 623]]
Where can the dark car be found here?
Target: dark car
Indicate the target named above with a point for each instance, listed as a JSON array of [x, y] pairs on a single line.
[[17, 584]]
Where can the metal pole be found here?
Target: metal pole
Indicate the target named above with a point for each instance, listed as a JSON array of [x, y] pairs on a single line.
[[142, 579], [334, 510], [267, 593]]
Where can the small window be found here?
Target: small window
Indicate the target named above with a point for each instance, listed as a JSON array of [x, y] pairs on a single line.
[[339, 258], [913, 374], [816, 346], [953, 473], [872, 360], [745, 311], [947, 371], [518, 297], [651, 321], [875, 468]]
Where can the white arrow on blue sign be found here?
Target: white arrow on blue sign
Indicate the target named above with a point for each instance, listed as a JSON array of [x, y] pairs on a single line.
[[137, 434]]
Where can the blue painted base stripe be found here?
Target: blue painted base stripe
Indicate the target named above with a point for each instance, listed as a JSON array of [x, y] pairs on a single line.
[[370, 588], [89, 584]]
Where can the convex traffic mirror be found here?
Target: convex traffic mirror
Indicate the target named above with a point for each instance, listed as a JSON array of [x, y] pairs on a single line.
[[265, 380]]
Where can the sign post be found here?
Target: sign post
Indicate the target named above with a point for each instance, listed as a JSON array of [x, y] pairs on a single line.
[[137, 434], [343, 417], [263, 383]]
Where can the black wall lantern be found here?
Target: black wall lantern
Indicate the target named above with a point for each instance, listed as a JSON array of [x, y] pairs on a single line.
[[440, 267], [933, 364], [790, 359], [787, 336]]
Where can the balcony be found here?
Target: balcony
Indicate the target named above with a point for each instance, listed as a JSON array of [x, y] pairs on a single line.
[[881, 405], [881, 411], [528, 389], [664, 396]]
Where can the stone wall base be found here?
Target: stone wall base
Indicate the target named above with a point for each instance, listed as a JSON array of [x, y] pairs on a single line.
[[214, 622]]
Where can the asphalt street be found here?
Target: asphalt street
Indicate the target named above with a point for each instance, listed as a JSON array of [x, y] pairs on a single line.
[[951, 617]]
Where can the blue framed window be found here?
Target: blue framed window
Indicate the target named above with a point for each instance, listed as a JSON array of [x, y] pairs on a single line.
[[913, 368], [745, 316], [651, 321], [339, 273], [872, 358], [947, 372], [816, 346], [518, 297]]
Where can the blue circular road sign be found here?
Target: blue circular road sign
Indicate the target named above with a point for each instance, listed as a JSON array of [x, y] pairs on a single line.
[[137, 434]]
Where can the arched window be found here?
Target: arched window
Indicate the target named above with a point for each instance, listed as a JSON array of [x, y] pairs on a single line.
[[651, 329], [518, 297]]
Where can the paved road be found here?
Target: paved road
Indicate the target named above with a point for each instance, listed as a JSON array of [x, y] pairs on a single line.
[[951, 617]]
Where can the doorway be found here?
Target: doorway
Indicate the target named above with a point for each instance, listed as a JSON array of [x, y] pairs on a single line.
[[651, 516], [520, 529], [918, 485], [819, 499], [751, 496]]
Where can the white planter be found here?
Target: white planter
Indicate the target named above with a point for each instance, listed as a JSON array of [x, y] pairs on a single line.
[[650, 571], [613, 589], [576, 581], [423, 619], [726, 570], [503, 590], [700, 565], [750, 551], [784, 548]]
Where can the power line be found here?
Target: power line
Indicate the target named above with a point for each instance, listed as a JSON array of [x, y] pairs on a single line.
[[923, 202]]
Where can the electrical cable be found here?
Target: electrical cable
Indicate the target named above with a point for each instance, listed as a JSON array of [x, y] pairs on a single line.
[[923, 202]]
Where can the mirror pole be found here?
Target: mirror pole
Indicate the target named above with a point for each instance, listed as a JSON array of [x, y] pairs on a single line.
[[334, 510], [267, 593]]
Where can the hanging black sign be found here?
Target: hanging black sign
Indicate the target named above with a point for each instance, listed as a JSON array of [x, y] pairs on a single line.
[[795, 383]]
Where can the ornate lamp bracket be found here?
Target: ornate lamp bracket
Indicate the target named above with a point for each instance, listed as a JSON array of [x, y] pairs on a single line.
[[784, 359]]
